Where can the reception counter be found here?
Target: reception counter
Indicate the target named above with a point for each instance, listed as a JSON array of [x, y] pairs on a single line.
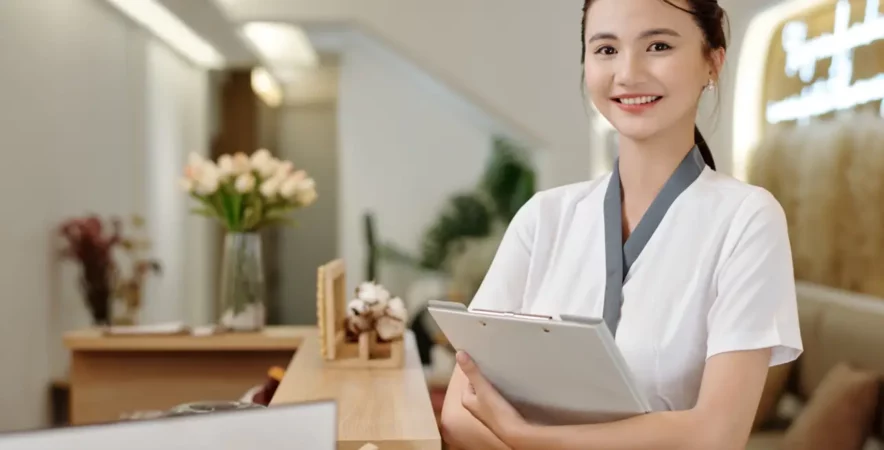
[[389, 408], [113, 377]]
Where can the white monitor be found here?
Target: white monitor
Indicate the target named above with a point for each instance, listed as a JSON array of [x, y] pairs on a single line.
[[304, 425]]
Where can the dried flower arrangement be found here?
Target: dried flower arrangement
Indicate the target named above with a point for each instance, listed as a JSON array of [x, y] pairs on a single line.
[[129, 289], [374, 310], [90, 244], [366, 331], [827, 177]]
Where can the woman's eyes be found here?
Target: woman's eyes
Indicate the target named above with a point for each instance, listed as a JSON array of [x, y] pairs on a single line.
[[607, 50], [659, 47]]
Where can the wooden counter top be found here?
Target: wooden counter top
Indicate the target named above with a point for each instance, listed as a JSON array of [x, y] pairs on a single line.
[[387, 407], [270, 339]]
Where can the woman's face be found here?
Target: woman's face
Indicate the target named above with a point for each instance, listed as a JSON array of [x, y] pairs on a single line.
[[645, 64]]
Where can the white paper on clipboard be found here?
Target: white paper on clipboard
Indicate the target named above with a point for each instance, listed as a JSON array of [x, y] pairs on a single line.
[[555, 372]]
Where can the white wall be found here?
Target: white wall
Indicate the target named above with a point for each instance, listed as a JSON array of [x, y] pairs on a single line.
[[177, 100], [75, 125], [308, 136], [517, 59], [405, 162]]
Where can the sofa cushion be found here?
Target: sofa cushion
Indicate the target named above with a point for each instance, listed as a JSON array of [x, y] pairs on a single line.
[[839, 414]]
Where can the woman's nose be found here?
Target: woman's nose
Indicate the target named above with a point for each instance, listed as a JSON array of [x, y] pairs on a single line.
[[629, 69]]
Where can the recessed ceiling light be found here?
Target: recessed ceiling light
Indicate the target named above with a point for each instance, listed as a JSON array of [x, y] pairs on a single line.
[[281, 45], [266, 87], [170, 29]]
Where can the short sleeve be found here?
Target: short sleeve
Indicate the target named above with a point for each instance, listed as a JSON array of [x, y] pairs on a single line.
[[756, 306], [503, 287]]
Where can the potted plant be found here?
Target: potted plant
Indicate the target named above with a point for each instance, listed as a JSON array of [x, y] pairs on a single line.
[[245, 194]]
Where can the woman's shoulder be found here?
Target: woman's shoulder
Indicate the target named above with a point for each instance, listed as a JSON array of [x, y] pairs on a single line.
[[723, 189], [744, 207], [566, 197], [548, 208]]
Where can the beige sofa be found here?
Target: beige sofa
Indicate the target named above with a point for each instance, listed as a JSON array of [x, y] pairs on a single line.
[[836, 327]]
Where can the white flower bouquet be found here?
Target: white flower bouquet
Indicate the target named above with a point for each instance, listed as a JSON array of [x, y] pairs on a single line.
[[247, 193], [373, 309]]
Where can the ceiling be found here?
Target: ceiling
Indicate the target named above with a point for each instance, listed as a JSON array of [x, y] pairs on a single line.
[[210, 21]]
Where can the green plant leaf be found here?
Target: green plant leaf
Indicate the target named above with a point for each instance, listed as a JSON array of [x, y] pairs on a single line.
[[204, 211], [254, 212]]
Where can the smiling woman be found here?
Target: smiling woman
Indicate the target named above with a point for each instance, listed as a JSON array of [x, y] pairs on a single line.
[[690, 269]]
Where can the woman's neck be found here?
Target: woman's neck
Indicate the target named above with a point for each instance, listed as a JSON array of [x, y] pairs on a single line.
[[646, 165]]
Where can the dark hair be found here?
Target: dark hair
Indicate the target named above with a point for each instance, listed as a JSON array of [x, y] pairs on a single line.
[[710, 17]]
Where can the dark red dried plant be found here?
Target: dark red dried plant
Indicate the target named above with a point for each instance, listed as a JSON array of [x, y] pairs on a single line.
[[89, 243]]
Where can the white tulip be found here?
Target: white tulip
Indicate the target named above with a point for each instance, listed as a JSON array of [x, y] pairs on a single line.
[[186, 184], [306, 198], [192, 172], [226, 166], [270, 187], [264, 163], [245, 183], [260, 157], [306, 192], [195, 159], [283, 169], [267, 169], [307, 184], [289, 188], [292, 183], [209, 180], [241, 164]]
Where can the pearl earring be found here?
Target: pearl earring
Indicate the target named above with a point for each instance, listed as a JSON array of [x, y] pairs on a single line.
[[710, 86]]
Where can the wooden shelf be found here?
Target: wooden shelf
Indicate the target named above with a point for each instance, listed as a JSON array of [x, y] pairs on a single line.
[[388, 407], [269, 339]]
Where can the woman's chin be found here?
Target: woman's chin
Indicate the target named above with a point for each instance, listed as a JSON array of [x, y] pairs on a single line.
[[635, 130]]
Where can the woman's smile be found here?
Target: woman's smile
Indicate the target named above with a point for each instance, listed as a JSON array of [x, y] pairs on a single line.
[[636, 103]]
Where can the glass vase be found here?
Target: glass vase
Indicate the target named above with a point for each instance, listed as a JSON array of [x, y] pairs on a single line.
[[243, 290]]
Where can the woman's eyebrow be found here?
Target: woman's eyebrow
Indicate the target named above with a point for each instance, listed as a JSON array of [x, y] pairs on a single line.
[[603, 36], [644, 35], [659, 32]]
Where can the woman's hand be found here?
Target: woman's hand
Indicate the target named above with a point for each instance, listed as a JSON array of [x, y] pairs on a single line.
[[483, 401]]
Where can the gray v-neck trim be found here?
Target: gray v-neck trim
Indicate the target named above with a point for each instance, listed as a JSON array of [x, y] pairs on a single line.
[[620, 256]]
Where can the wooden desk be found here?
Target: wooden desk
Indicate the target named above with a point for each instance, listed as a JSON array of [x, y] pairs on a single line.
[[111, 376], [387, 407]]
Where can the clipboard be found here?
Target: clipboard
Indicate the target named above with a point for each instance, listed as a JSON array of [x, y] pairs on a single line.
[[554, 372]]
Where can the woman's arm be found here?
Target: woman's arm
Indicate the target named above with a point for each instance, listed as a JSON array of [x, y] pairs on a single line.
[[721, 420], [459, 428], [502, 289]]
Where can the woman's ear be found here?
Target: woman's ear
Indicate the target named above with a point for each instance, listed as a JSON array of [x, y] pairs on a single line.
[[716, 59]]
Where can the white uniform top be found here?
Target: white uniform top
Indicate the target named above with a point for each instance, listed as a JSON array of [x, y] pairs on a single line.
[[716, 276]]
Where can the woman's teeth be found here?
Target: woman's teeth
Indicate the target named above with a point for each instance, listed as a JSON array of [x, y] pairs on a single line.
[[638, 100]]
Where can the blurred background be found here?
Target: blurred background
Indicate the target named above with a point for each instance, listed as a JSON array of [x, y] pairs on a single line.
[[424, 124]]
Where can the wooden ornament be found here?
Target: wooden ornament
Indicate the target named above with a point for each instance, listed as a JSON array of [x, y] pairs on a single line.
[[336, 349]]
